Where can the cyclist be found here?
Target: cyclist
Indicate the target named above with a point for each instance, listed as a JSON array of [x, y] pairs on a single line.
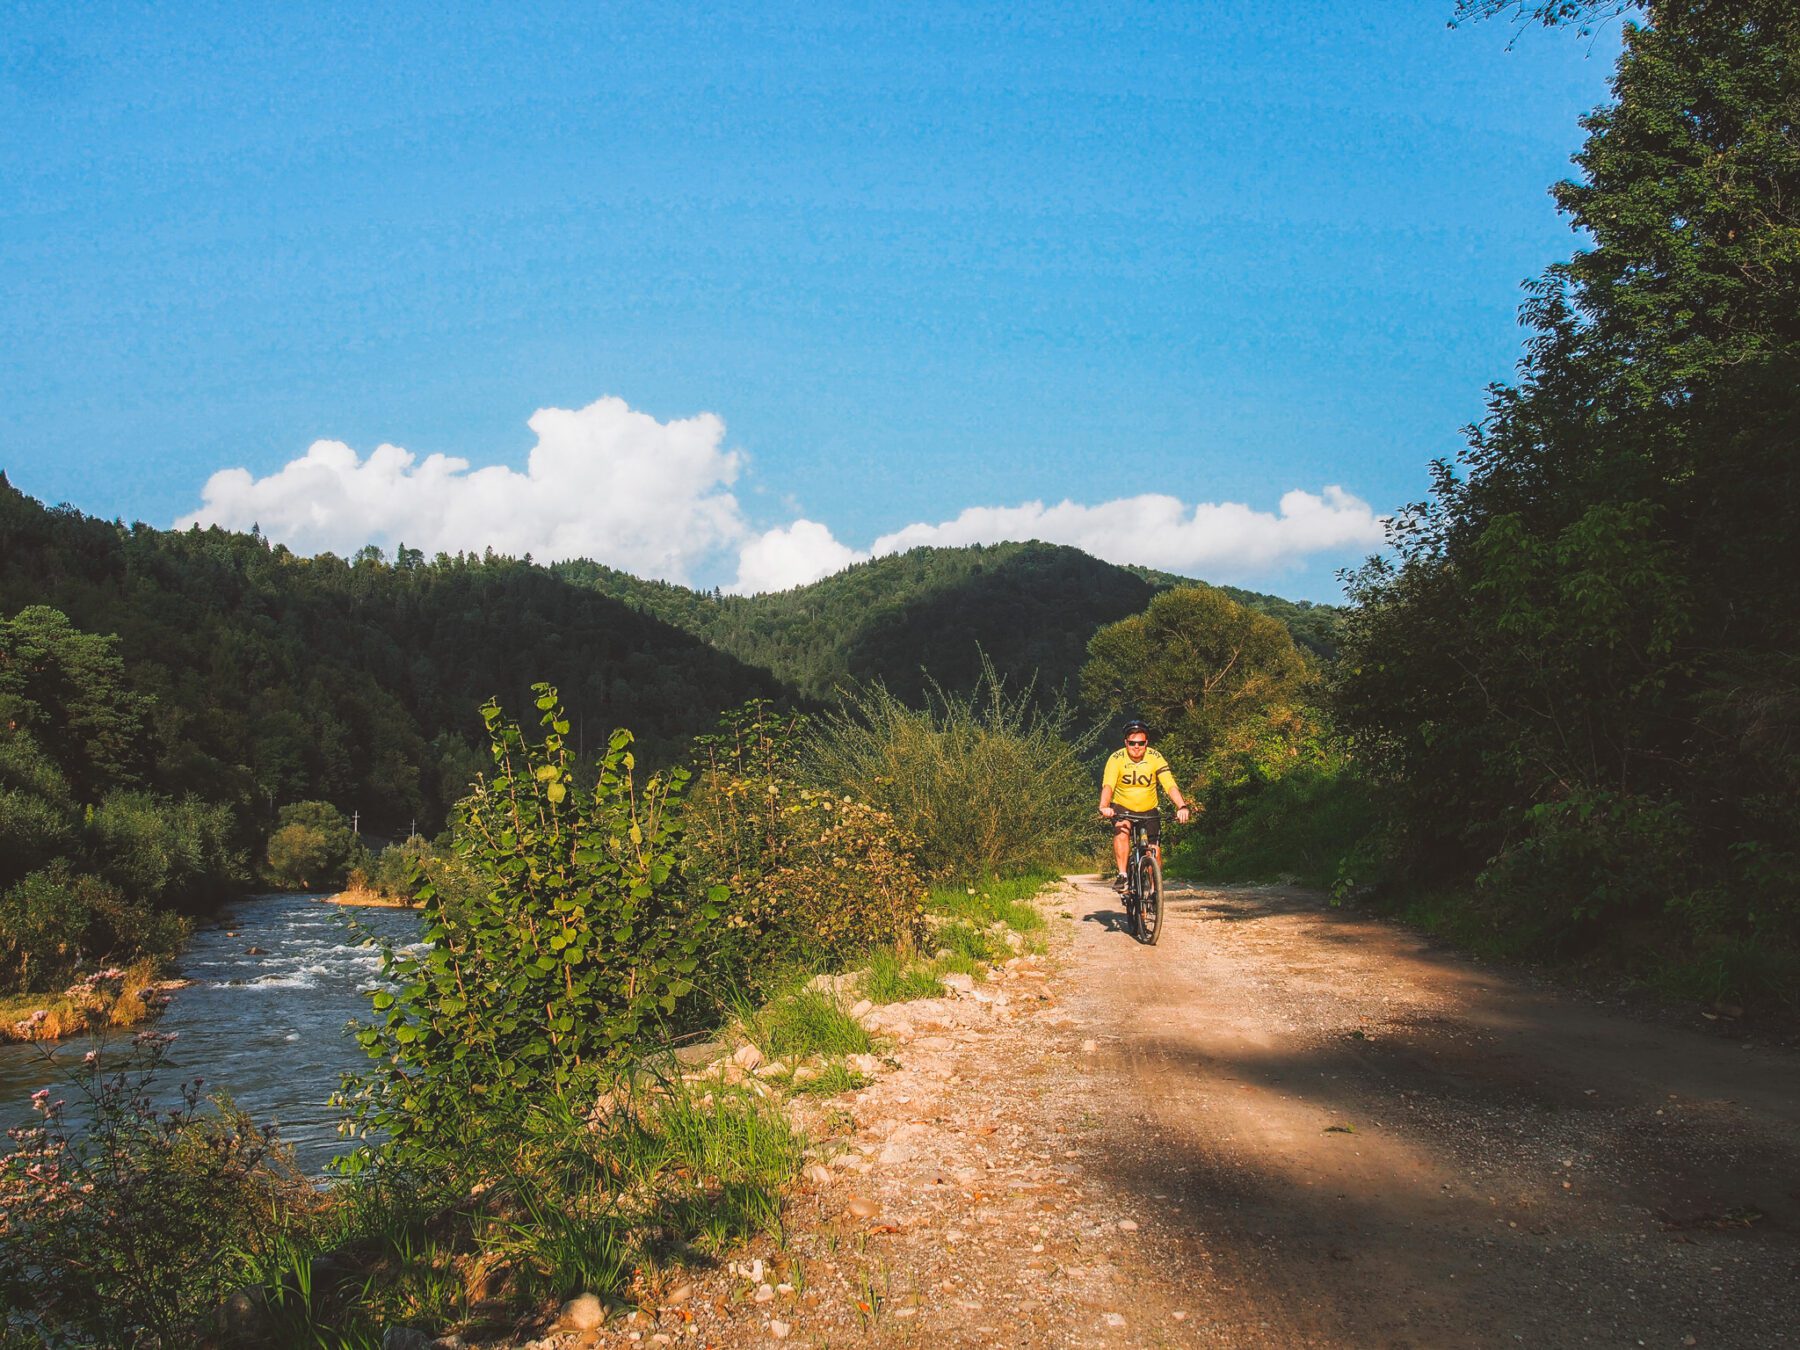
[[1128, 790]]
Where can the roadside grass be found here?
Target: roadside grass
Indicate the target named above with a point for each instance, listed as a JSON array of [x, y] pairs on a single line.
[[1002, 899], [964, 939], [893, 978], [563, 1204], [802, 1022], [831, 1080]]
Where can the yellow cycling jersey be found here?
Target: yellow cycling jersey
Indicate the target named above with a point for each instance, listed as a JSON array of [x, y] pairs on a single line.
[[1134, 784]]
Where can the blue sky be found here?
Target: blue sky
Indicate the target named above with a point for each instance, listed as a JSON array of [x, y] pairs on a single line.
[[802, 281]]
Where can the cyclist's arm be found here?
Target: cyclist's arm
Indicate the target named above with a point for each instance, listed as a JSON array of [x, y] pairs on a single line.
[[1106, 790], [1166, 776]]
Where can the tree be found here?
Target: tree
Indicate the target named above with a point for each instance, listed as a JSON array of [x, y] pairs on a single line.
[[1578, 662], [1224, 689], [311, 846]]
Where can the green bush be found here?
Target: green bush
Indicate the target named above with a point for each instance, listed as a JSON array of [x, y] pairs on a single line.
[[581, 933], [167, 852], [1308, 825], [56, 919], [398, 870], [816, 879], [989, 783]]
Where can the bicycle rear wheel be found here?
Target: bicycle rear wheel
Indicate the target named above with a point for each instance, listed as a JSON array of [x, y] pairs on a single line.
[[1150, 901]]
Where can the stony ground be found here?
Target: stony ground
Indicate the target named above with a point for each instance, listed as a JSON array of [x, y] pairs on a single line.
[[1282, 1126]]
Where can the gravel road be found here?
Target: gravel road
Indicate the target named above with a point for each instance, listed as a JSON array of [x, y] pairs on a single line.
[[1284, 1126], [1374, 1143]]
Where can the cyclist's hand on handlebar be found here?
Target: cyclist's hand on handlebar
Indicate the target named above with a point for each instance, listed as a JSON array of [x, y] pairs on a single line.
[[1108, 812], [1182, 814]]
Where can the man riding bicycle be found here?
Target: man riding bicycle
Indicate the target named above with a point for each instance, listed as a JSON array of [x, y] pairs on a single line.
[[1128, 792]]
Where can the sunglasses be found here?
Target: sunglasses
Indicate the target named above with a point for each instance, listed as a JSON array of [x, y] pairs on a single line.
[[1137, 742]]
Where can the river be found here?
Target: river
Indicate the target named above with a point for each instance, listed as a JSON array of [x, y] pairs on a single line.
[[268, 1029]]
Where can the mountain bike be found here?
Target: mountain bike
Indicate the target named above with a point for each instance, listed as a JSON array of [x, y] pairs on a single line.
[[1143, 881]]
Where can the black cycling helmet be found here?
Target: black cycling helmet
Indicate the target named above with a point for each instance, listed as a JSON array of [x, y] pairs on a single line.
[[1137, 724]]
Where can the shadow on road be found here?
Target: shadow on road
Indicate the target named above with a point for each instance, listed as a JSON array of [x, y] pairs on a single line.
[[1377, 1143]]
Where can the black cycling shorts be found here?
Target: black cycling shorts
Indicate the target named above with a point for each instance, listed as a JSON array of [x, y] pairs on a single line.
[[1152, 821]]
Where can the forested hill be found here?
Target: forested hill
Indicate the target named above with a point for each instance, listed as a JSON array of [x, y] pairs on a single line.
[[278, 678], [1030, 606]]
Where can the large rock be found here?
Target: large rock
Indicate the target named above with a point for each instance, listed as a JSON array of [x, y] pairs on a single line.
[[582, 1313], [958, 982]]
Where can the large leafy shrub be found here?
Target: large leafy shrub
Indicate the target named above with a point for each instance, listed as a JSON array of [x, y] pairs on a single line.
[[574, 935]]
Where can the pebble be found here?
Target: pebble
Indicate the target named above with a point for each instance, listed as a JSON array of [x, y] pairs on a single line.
[[773, 1069], [819, 1174], [1089, 1046], [765, 1293], [861, 1207], [747, 1056], [779, 1330], [1128, 1225], [958, 982], [679, 1295], [1115, 1319], [862, 1009], [867, 1065]]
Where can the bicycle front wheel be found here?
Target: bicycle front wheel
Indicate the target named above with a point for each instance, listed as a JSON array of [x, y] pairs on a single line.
[[1150, 901]]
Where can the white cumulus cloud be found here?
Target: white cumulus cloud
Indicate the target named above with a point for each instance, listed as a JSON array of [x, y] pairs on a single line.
[[791, 556], [1220, 540], [602, 482], [655, 498]]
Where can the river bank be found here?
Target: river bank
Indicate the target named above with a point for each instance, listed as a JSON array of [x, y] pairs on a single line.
[[108, 999], [361, 897]]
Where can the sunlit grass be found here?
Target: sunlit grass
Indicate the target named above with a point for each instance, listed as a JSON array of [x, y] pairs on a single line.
[[804, 1022]]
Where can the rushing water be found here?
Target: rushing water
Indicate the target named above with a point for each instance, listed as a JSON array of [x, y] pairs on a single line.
[[268, 1029]]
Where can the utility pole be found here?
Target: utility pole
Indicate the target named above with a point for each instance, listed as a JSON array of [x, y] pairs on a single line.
[[355, 827]]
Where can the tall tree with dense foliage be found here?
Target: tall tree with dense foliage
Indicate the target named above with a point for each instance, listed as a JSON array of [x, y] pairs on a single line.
[[1579, 663], [1225, 689]]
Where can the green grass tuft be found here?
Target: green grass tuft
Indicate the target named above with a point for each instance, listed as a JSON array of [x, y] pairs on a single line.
[[805, 1022], [1004, 900], [832, 1079], [894, 979]]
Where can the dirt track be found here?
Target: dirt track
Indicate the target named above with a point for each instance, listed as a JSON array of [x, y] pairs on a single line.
[[1284, 1126], [1519, 1167]]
